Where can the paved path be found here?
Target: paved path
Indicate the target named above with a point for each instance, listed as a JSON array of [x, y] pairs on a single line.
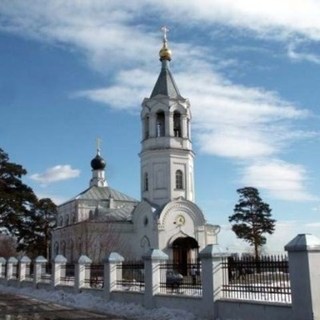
[[14, 307]]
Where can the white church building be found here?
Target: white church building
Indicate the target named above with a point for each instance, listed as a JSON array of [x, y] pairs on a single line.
[[101, 220]]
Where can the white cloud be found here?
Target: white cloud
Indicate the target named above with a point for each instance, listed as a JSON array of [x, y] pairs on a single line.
[[283, 180], [55, 174], [302, 56], [273, 18]]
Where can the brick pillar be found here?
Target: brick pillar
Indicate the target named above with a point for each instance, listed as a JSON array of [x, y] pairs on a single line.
[[81, 272], [304, 264], [24, 264], [110, 273], [39, 268], [58, 269], [152, 262], [211, 264]]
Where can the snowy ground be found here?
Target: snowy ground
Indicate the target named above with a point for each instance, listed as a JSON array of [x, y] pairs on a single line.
[[88, 302]]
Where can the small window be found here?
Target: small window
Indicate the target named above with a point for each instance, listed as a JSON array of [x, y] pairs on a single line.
[[146, 182], [177, 124], [60, 222], [160, 124], [146, 127], [179, 179]]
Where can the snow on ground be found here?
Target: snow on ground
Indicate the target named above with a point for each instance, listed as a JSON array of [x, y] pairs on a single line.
[[92, 303]]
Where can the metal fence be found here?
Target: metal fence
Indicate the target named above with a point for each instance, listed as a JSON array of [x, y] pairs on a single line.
[[95, 278], [132, 276], [3, 271], [182, 280], [46, 273], [29, 271], [262, 279], [67, 274]]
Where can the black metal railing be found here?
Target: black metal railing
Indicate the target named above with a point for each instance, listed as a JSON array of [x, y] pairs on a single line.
[[132, 276], [67, 274], [15, 271], [96, 275], [46, 273], [177, 279], [3, 271], [262, 279], [29, 271]]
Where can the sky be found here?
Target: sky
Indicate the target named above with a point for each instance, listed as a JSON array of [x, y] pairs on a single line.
[[72, 72]]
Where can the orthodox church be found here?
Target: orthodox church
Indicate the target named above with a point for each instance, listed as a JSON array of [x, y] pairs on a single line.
[[101, 219]]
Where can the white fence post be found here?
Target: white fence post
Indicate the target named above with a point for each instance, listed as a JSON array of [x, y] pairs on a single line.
[[211, 264], [81, 272], [304, 264], [58, 269], [24, 264], [152, 270], [39, 265], [12, 265], [110, 273]]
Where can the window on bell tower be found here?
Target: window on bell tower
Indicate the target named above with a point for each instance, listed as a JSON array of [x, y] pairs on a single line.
[[179, 179], [146, 127], [177, 124], [160, 124], [146, 182]]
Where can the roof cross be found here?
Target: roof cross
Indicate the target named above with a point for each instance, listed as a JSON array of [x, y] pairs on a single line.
[[164, 29], [98, 142]]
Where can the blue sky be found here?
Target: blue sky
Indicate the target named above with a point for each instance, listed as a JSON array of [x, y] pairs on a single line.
[[74, 71]]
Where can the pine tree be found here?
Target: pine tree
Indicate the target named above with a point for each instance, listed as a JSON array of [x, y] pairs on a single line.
[[37, 228], [16, 198], [252, 218]]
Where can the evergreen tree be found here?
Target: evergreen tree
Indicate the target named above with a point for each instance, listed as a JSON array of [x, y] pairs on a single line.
[[252, 218], [37, 228], [16, 198], [28, 220]]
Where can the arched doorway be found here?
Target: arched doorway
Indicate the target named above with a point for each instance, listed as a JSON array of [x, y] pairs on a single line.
[[185, 251]]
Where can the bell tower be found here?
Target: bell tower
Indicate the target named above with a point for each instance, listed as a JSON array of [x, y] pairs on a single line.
[[166, 155]]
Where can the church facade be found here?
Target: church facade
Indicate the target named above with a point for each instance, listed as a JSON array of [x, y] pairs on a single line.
[[101, 220]]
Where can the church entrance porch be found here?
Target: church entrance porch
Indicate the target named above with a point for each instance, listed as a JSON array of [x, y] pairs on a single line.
[[185, 253]]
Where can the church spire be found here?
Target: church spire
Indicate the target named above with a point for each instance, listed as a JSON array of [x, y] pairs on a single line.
[[98, 165], [165, 84]]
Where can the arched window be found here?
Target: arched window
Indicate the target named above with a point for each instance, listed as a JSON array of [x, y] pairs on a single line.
[[67, 220], [63, 248], [60, 222], [146, 181], [71, 251], [177, 124], [160, 124], [56, 248], [179, 179], [146, 127]]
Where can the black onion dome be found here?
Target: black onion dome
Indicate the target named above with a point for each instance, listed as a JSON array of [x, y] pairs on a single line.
[[98, 163]]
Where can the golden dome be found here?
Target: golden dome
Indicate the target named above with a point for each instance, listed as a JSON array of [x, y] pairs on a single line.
[[165, 53]]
